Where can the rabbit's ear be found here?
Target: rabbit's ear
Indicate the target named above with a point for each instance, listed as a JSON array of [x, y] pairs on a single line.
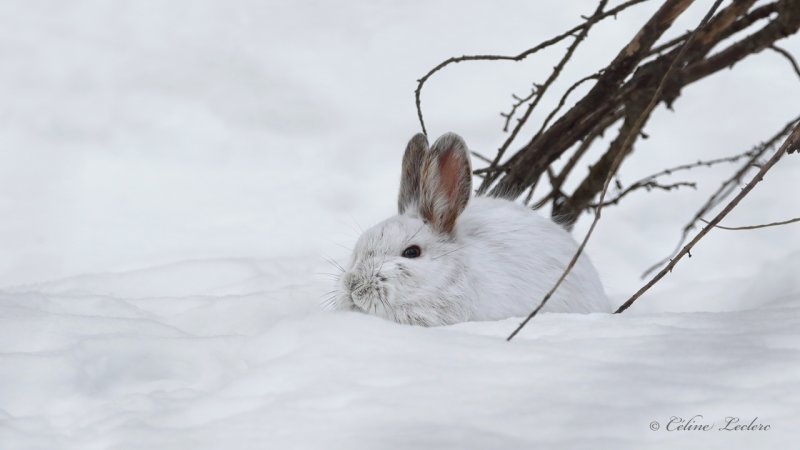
[[445, 183], [414, 157]]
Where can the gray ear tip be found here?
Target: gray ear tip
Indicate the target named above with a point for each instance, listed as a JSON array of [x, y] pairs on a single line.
[[450, 141], [418, 140], [452, 135]]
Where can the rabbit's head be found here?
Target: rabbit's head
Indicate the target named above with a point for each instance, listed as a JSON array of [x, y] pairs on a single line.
[[408, 268]]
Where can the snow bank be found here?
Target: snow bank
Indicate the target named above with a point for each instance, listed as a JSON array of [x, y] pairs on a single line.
[[237, 354]]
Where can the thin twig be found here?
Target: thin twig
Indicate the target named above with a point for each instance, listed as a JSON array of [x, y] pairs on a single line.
[[669, 44], [725, 190], [647, 185], [563, 100], [790, 142], [788, 57], [628, 82], [479, 156], [491, 175], [755, 227], [518, 101], [706, 163], [633, 132], [649, 182], [557, 181], [519, 57]]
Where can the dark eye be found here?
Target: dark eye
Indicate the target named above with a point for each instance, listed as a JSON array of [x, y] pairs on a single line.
[[412, 252]]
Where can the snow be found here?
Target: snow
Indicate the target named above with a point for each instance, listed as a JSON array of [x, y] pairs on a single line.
[[251, 362], [172, 175]]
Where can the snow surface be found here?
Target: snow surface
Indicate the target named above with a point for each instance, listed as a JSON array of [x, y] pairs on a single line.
[[172, 174]]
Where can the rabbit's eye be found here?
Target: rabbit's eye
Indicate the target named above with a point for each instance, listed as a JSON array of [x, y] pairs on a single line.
[[412, 252]]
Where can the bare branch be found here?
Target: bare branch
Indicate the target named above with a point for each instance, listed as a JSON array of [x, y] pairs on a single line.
[[781, 26], [788, 57], [557, 181], [479, 156], [649, 182], [647, 185], [754, 227], [707, 163], [519, 57], [669, 44], [530, 162], [563, 100], [518, 101], [623, 86], [792, 141], [629, 138], [726, 189], [491, 176]]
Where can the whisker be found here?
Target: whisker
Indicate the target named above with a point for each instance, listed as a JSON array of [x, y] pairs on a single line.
[[328, 274], [451, 251], [328, 302], [385, 302], [334, 263], [415, 233], [352, 219], [349, 249]]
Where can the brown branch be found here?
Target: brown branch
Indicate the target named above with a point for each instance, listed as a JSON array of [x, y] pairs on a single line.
[[519, 57], [722, 26], [557, 181], [491, 176], [707, 163], [479, 156], [784, 24], [518, 101], [726, 189], [669, 44], [527, 165], [598, 131], [569, 210], [762, 12], [636, 125], [530, 162], [791, 142], [788, 57], [647, 185], [649, 182], [563, 100], [755, 227]]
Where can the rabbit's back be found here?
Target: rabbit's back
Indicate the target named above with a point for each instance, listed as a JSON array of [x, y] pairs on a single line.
[[514, 256]]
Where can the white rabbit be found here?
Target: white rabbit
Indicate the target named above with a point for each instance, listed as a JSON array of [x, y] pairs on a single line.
[[445, 258]]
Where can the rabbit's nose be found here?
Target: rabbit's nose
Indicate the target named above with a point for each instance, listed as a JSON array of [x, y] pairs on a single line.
[[350, 281]]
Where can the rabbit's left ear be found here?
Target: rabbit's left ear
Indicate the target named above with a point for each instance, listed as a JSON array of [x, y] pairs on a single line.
[[414, 157], [445, 183]]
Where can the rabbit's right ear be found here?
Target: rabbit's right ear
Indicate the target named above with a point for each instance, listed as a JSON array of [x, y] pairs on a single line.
[[446, 183], [413, 159]]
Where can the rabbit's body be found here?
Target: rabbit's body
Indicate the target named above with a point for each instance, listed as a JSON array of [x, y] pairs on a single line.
[[516, 256], [446, 258]]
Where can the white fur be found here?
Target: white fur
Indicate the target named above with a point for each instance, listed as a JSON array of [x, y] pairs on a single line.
[[499, 262]]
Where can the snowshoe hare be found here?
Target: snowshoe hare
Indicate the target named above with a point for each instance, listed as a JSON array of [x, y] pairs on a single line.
[[447, 258]]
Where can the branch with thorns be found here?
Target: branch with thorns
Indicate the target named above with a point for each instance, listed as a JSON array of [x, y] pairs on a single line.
[[791, 142], [519, 57], [726, 189], [518, 102], [755, 227], [643, 75], [632, 132]]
